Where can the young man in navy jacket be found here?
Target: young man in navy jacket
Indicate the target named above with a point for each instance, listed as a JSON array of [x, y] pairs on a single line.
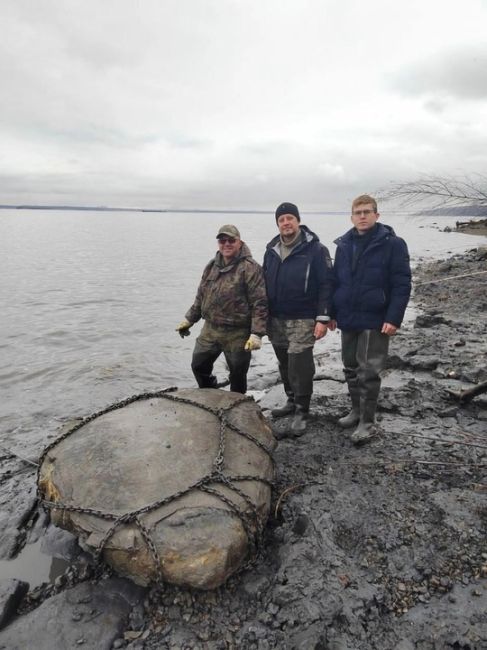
[[299, 282], [372, 289]]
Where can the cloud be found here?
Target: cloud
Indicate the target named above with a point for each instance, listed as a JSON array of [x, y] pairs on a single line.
[[331, 171], [235, 103], [458, 73]]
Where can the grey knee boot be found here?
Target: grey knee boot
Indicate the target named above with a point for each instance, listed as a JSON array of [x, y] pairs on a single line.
[[352, 418], [367, 428], [289, 406], [288, 409], [300, 420], [301, 372]]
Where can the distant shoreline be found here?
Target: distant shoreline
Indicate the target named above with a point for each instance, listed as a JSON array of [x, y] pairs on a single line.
[[447, 211], [161, 210]]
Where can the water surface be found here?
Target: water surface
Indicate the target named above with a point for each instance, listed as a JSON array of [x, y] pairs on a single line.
[[90, 301]]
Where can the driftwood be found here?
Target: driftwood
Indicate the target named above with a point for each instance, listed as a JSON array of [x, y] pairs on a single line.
[[472, 223], [468, 394]]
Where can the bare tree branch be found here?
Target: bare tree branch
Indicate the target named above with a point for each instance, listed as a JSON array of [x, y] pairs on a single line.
[[439, 191]]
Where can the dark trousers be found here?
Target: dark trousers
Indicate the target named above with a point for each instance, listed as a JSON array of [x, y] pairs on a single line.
[[364, 356], [297, 372], [208, 347]]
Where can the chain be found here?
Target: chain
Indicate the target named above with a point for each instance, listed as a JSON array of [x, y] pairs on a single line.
[[218, 462], [93, 416], [251, 523], [152, 548]]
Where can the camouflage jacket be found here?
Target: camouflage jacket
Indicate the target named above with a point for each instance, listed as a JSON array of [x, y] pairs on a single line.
[[232, 295]]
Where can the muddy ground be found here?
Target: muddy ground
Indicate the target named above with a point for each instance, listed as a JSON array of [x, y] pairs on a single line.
[[382, 546]]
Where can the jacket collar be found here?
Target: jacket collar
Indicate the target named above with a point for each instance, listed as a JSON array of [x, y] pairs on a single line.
[[383, 232], [307, 236], [243, 254]]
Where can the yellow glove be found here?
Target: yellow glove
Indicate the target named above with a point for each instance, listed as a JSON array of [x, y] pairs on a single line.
[[253, 343], [183, 328]]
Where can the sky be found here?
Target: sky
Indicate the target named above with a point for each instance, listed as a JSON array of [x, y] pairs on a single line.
[[237, 104]]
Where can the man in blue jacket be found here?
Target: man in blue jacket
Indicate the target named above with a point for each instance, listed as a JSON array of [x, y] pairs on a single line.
[[372, 288], [299, 281]]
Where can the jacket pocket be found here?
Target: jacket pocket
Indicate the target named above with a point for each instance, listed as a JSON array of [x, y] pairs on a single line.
[[373, 300]]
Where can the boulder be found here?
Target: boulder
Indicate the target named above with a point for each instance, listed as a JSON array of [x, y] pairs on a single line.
[[174, 485]]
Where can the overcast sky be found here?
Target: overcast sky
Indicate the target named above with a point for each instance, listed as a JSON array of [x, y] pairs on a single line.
[[237, 103]]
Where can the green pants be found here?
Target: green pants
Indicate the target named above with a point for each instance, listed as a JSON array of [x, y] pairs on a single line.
[[212, 341]]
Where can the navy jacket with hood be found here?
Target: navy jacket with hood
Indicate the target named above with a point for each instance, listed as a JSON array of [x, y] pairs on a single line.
[[301, 286], [378, 290]]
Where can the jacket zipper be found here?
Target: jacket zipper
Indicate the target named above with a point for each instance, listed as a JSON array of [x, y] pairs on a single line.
[[307, 278]]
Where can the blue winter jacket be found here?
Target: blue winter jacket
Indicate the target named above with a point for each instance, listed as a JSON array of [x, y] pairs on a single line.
[[301, 286], [378, 291]]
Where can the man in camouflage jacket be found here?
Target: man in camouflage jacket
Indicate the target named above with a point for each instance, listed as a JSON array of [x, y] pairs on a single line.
[[232, 300]]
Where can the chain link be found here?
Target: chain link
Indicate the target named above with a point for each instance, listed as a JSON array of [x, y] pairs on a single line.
[[251, 523]]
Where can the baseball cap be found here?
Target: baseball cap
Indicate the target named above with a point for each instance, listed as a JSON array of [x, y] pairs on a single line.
[[229, 230]]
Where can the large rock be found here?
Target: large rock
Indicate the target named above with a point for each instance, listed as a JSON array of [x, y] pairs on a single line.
[[167, 459]]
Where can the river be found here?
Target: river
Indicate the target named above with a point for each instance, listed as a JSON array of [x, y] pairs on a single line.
[[90, 301]]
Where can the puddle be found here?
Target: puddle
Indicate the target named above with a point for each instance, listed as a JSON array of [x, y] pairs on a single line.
[[33, 566]]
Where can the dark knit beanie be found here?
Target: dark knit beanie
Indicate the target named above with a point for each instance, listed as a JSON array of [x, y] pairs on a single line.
[[287, 208]]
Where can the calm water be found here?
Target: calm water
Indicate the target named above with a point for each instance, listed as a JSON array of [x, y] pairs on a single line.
[[90, 301]]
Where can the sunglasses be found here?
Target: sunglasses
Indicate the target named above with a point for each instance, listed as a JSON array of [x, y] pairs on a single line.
[[226, 240]]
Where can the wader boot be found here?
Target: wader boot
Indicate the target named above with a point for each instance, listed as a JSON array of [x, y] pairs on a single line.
[[364, 356], [300, 420], [202, 367], [289, 407], [301, 372], [367, 428], [352, 418], [238, 365]]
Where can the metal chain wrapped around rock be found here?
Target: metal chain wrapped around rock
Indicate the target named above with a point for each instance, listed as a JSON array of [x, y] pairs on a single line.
[[173, 485]]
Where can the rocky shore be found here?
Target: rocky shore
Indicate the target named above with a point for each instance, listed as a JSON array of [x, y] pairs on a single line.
[[381, 546]]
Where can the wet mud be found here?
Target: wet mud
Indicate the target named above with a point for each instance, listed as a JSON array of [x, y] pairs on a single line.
[[379, 546]]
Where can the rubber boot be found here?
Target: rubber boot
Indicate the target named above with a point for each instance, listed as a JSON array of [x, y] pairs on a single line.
[[367, 428], [202, 367], [352, 418], [238, 364], [300, 420], [289, 407], [301, 371]]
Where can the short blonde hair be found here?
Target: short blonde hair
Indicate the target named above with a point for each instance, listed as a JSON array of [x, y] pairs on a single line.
[[364, 198]]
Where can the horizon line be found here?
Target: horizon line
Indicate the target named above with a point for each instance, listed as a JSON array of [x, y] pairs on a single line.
[[101, 208]]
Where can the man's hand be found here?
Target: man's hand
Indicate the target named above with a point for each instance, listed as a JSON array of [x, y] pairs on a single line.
[[253, 343], [320, 330], [183, 328], [389, 329]]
